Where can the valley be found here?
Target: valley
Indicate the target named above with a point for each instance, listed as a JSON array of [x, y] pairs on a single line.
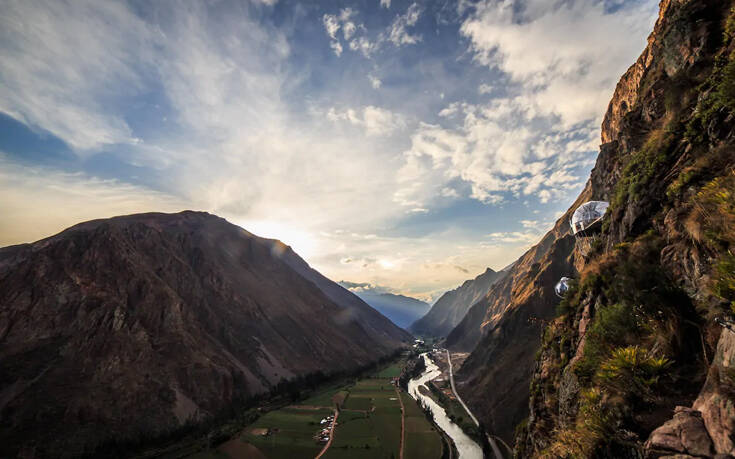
[[369, 417], [528, 270]]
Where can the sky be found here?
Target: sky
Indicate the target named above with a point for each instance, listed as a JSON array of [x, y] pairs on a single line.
[[408, 145]]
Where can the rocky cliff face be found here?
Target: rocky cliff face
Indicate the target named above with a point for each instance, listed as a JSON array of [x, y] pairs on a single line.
[[630, 363], [450, 308], [633, 364], [133, 326], [503, 331]]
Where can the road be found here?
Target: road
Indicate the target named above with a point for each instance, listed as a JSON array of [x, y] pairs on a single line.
[[491, 440], [403, 420], [331, 435]]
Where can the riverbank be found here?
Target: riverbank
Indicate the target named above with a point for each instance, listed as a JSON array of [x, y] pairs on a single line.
[[466, 447], [374, 419]]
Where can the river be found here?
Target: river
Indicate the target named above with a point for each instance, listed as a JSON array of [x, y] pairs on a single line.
[[467, 448]]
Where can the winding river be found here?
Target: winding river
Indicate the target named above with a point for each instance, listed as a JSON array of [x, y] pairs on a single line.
[[467, 448]]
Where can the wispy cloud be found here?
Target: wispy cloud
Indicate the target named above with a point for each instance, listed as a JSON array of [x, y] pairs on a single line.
[[262, 124], [398, 32], [62, 64], [357, 37], [375, 120]]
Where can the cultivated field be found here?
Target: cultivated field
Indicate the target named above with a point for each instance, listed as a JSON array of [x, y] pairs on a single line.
[[287, 433], [369, 425], [422, 439], [370, 421]]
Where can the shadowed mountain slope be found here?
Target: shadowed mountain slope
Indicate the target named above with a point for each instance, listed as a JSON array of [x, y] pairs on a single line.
[[450, 308], [400, 309], [135, 325]]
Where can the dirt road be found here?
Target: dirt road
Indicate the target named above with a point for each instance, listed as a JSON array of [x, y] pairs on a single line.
[[403, 421], [331, 435]]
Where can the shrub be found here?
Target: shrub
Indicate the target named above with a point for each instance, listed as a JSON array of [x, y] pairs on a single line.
[[595, 425], [632, 370], [643, 166], [714, 211], [615, 325], [730, 26]]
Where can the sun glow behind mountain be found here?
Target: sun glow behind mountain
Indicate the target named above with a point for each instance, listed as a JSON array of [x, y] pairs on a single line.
[[399, 143]]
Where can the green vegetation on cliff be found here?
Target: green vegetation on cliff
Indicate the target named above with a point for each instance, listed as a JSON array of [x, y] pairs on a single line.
[[634, 335]]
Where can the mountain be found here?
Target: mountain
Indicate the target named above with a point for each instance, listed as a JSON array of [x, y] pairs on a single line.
[[451, 307], [630, 363], [401, 310], [133, 326], [503, 331]]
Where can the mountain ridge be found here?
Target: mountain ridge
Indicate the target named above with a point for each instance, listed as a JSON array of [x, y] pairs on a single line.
[[451, 307], [402, 310], [139, 324]]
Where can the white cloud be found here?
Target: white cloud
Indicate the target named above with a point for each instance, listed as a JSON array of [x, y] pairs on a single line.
[[375, 120], [331, 25], [385, 3], [485, 88], [544, 196], [349, 30], [357, 38], [230, 90], [423, 267], [336, 47], [398, 32], [566, 55], [59, 61], [363, 45], [375, 82], [494, 151], [528, 142]]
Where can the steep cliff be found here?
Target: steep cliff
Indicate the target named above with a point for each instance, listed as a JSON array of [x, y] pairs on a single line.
[[605, 370], [504, 330], [134, 326], [451, 307], [633, 364]]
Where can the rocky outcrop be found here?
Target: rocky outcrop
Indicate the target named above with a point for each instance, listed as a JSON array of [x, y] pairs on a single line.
[[647, 293], [684, 434], [634, 338], [716, 401], [127, 328], [450, 309]]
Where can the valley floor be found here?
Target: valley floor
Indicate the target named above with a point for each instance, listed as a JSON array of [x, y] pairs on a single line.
[[373, 418]]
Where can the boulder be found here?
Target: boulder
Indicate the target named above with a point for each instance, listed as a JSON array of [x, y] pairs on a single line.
[[684, 434]]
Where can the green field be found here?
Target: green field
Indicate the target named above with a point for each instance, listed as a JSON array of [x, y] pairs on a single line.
[[368, 426], [291, 432], [375, 430], [323, 398], [422, 439], [392, 371]]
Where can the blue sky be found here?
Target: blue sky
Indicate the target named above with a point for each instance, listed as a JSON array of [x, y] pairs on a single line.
[[405, 144]]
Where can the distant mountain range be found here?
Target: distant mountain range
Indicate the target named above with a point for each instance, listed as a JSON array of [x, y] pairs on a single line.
[[451, 307], [137, 325], [400, 309]]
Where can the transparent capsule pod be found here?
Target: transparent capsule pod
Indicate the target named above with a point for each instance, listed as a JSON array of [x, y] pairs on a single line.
[[562, 286]]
